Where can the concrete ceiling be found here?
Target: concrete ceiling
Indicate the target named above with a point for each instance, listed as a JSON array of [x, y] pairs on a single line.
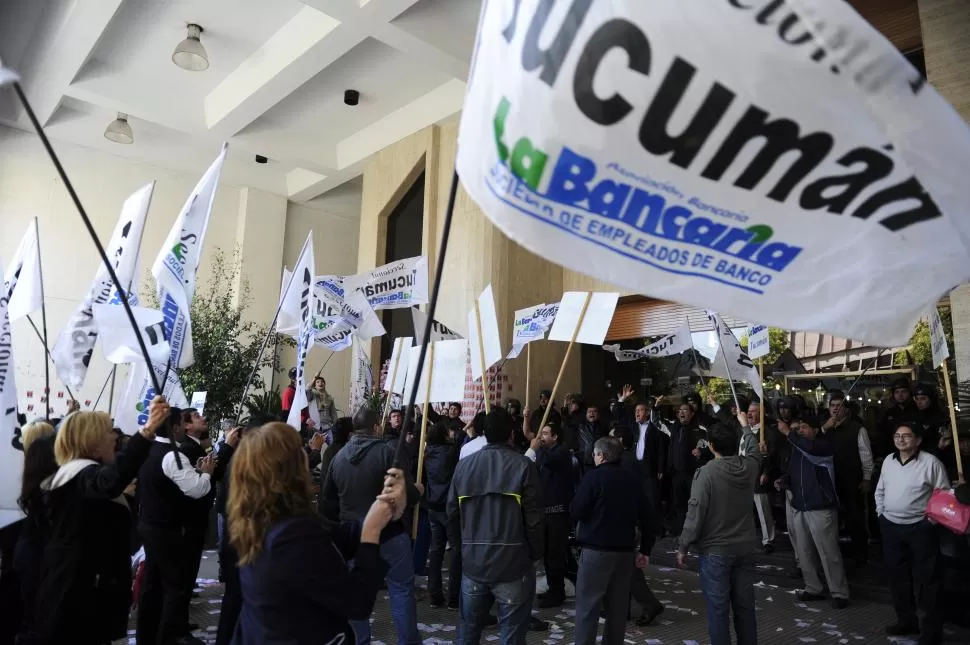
[[274, 87]]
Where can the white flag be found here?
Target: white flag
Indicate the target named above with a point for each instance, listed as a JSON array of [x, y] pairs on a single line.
[[131, 410], [361, 379], [531, 324], [118, 340], [739, 366], [302, 284], [8, 77], [22, 281], [75, 344], [703, 153], [672, 345], [11, 457], [624, 355], [177, 262], [396, 285], [941, 351]]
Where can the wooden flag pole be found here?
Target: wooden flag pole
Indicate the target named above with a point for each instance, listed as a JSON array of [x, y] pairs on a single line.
[[390, 390], [565, 360], [422, 444], [727, 369], [481, 354], [761, 426], [953, 418], [528, 374]]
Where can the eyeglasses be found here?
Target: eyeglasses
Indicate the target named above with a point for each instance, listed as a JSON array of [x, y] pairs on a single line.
[[905, 437]]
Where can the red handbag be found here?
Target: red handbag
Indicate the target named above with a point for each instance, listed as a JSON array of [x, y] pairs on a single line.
[[945, 510]]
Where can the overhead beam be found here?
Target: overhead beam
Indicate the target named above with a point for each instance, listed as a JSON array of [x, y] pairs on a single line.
[[304, 46], [73, 30]]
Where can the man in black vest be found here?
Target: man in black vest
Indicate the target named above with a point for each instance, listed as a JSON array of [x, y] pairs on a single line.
[[166, 483]]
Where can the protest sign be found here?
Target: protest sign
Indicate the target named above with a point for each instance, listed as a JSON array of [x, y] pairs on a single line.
[[485, 348], [398, 369], [595, 323], [938, 345], [531, 324], [396, 285], [447, 374], [198, 402], [725, 157], [758, 342]]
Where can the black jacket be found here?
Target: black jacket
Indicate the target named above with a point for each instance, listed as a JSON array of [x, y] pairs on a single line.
[[588, 434], [812, 486], [555, 466], [439, 467], [85, 585], [845, 448], [607, 516], [683, 440], [495, 497], [356, 478], [225, 459], [283, 598], [655, 451], [536, 418]]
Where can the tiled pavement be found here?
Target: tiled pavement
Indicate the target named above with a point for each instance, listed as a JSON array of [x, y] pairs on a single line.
[[782, 620]]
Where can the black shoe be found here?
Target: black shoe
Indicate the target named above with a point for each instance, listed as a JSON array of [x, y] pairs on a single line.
[[491, 620], [537, 625], [437, 602], [902, 630], [551, 600], [452, 604], [840, 603], [804, 596], [769, 548], [647, 617], [193, 627], [794, 573]]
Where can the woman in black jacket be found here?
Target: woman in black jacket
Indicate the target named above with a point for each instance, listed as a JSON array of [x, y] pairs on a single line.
[[296, 585], [85, 585]]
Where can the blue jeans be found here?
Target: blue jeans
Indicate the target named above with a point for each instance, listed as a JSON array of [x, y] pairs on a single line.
[[514, 601], [727, 586], [396, 552]]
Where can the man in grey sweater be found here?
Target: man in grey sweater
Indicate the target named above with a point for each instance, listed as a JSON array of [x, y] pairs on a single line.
[[720, 528]]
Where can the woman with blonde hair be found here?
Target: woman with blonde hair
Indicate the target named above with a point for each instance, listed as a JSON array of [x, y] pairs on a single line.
[[85, 585], [296, 585], [34, 431]]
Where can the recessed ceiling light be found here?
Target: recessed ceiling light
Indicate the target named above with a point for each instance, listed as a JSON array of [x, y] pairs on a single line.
[[351, 97], [119, 131], [190, 54]]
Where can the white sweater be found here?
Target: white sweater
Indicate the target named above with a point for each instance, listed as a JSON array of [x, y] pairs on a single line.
[[904, 490]]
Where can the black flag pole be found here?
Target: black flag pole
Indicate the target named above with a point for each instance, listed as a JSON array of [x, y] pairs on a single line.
[[43, 321], [87, 223], [432, 305], [40, 337], [101, 393], [324, 365], [111, 392]]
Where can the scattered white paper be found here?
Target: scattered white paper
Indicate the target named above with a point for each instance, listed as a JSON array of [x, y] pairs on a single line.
[[493, 637], [806, 639], [556, 636]]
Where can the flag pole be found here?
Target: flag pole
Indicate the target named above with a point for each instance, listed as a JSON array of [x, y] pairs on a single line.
[[40, 337], [111, 392], [325, 364], [87, 223], [481, 355], [422, 444], [432, 306], [43, 321], [727, 369], [565, 360], [269, 332], [101, 393], [761, 422], [528, 373], [953, 419]]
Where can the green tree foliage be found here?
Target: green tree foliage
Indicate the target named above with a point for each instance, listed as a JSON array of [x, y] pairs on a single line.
[[920, 348], [720, 388], [225, 343]]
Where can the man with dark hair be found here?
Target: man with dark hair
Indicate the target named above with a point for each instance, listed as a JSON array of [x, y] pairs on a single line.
[[545, 399], [900, 407], [608, 520], [687, 451], [720, 527], [591, 429], [355, 478], [811, 483], [495, 496]]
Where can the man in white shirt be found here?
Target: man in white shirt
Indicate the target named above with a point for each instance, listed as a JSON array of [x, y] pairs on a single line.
[[762, 503], [910, 542]]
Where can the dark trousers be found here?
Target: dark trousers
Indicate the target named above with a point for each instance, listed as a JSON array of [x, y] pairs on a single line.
[[162, 616], [603, 579], [853, 515], [194, 538], [912, 556], [651, 486], [439, 543], [557, 554], [679, 496], [641, 591], [231, 596]]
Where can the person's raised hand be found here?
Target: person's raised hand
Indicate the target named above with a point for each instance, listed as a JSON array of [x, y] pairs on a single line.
[[394, 491], [208, 464], [316, 441], [158, 413], [742, 419], [625, 393], [763, 480], [233, 437], [784, 428], [378, 516]]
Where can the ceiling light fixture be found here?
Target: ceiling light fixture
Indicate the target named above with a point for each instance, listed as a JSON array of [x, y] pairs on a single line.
[[190, 54], [119, 131]]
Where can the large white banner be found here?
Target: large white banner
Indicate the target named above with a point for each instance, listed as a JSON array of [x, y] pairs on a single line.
[[362, 379], [396, 285], [750, 158], [672, 345], [302, 284], [337, 312], [22, 280], [131, 409], [11, 457], [75, 344], [531, 324], [118, 340], [177, 262], [731, 362]]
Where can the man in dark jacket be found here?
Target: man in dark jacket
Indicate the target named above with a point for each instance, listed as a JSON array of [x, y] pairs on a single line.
[[687, 452], [536, 417], [556, 483], [591, 429], [650, 449], [355, 478], [495, 494], [900, 408], [197, 514], [720, 527], [812, 494], [440, 459], [608, 520], [932, 424]]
